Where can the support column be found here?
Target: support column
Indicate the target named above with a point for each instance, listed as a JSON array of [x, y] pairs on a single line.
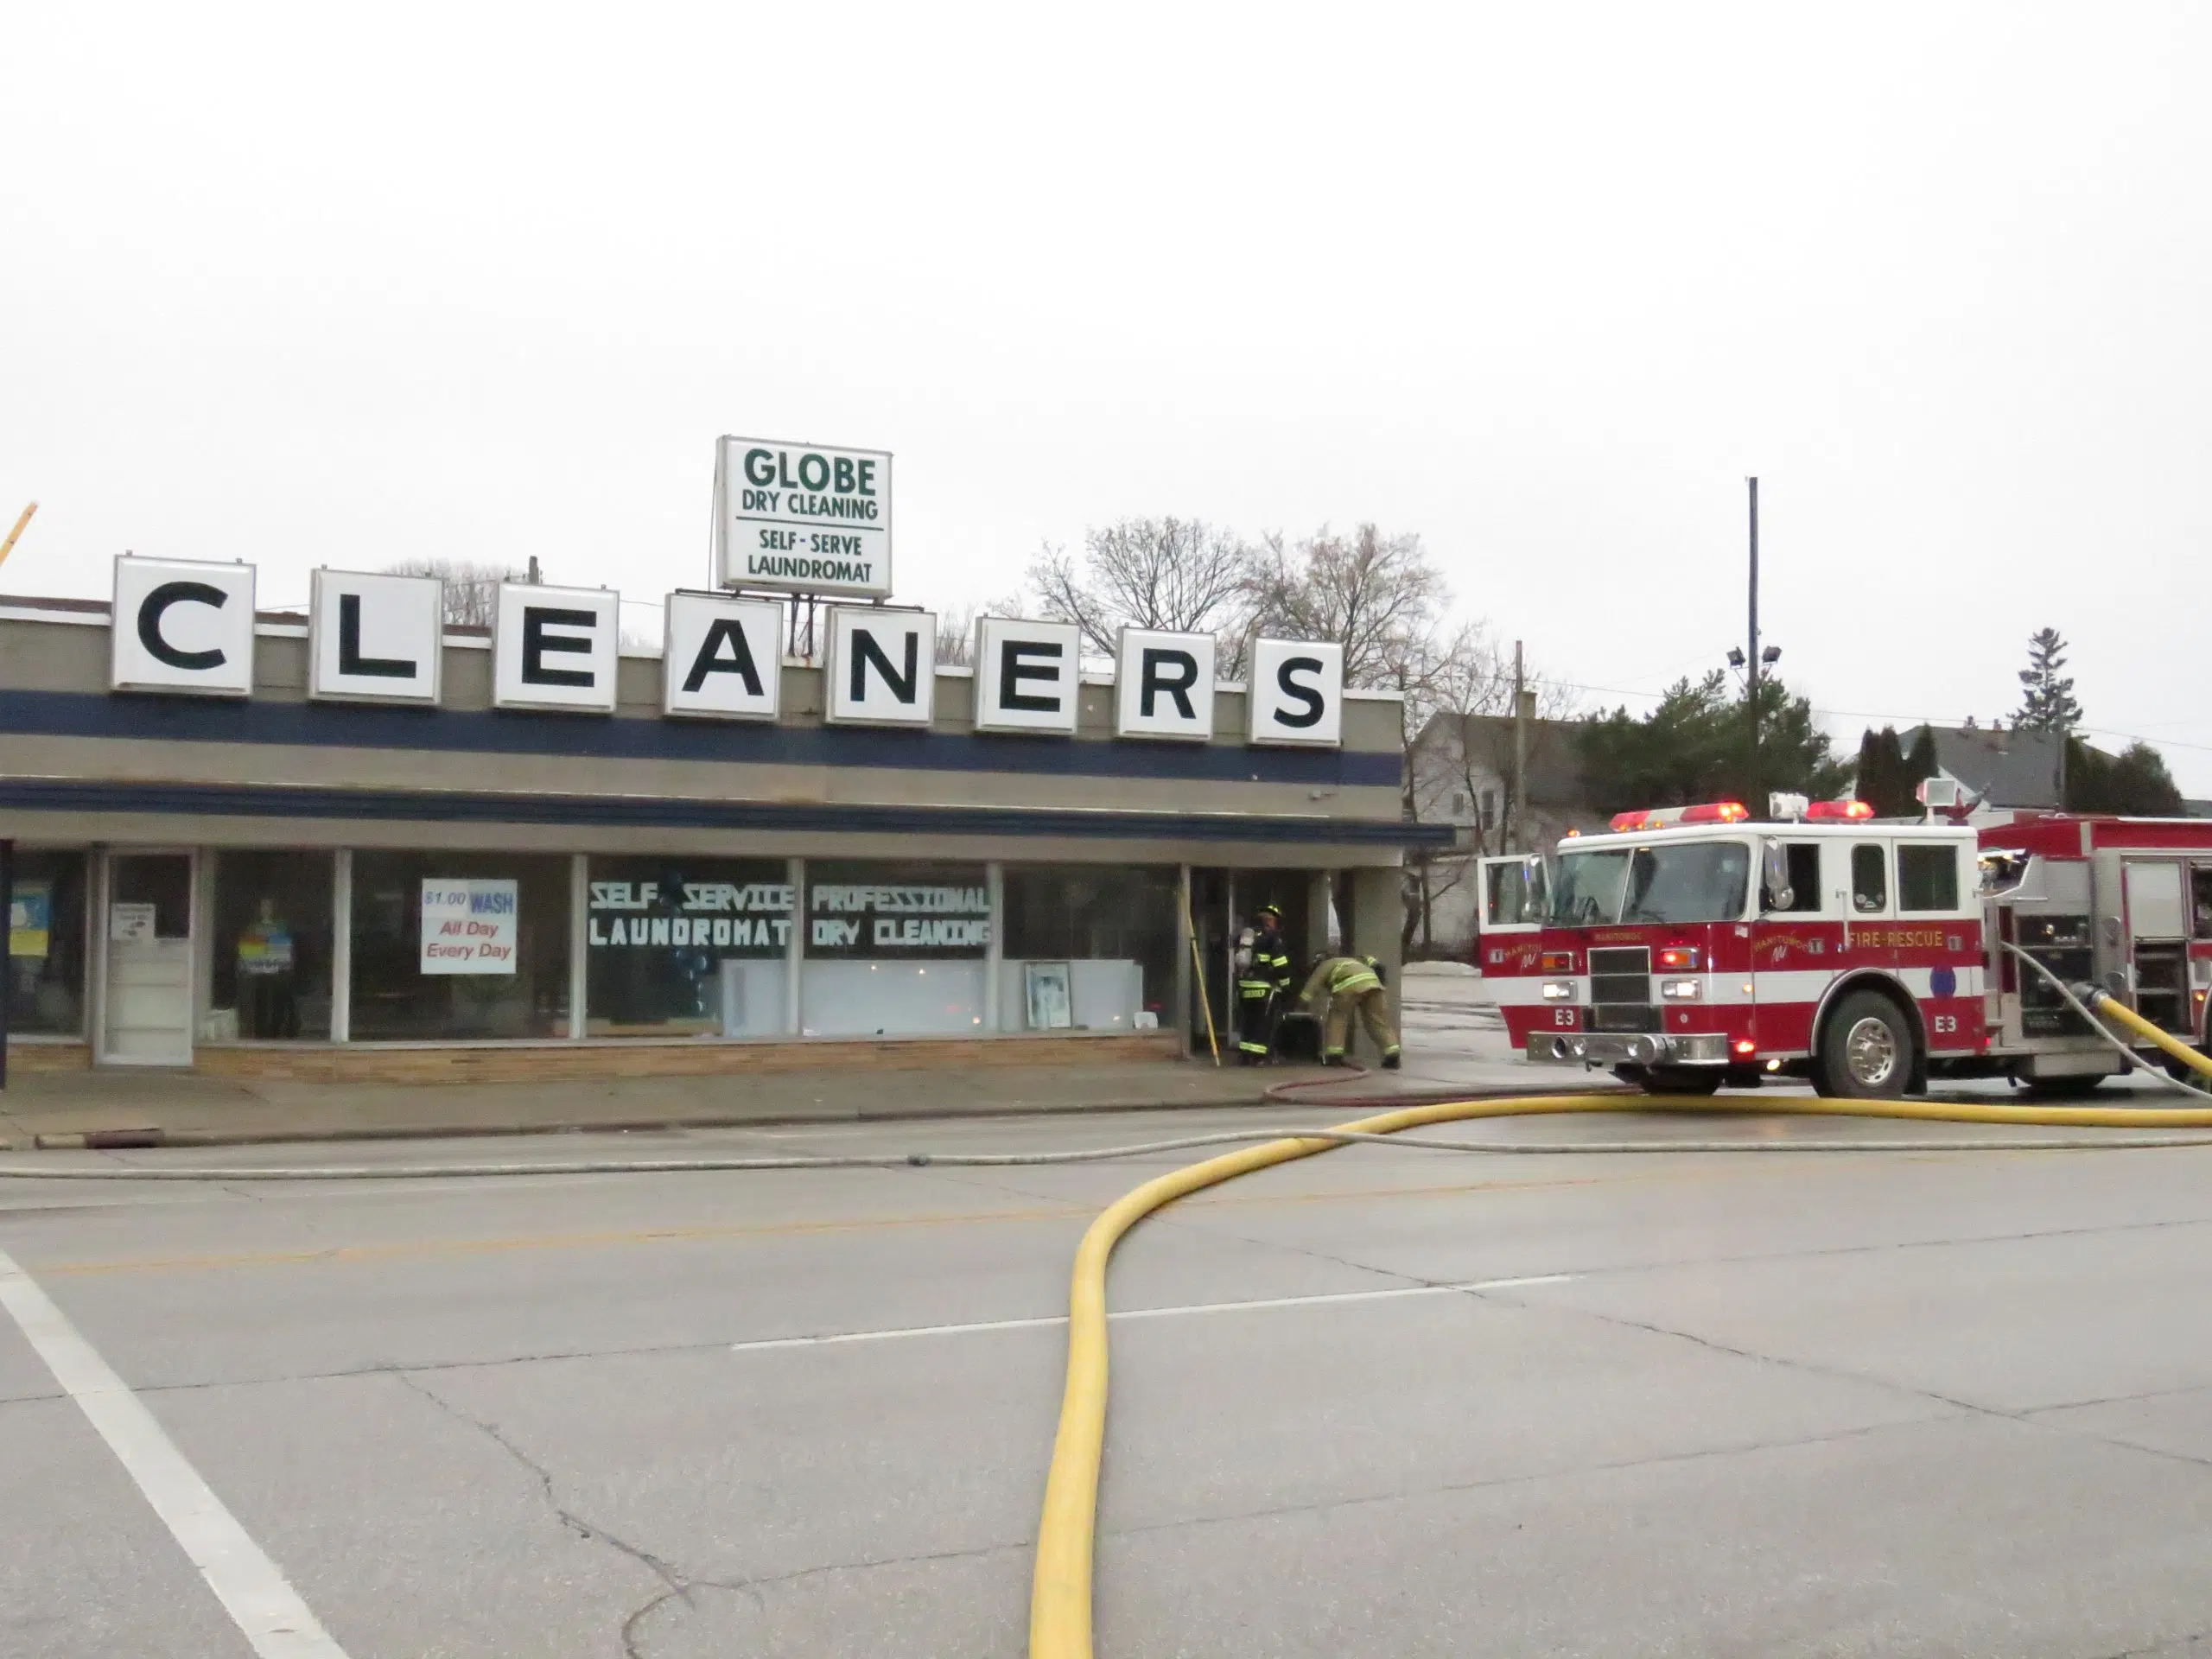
[[995, 947], [1378, 913], [342, 945], [579, 942], [795, 948], [1185, 993]]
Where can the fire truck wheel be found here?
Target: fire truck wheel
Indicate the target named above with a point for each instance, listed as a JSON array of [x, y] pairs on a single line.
[[1867, 1052]]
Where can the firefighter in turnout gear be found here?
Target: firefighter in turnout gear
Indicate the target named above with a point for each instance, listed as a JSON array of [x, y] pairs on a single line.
[[1263, 982], [1353, 983]]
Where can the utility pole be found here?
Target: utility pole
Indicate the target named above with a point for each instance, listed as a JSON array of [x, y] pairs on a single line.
[[1751, 660], [1521, 700]]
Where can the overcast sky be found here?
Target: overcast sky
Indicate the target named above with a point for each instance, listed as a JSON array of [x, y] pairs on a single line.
[[310, 285]]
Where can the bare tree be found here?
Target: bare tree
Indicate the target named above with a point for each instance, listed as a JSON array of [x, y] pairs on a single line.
[[1180, 575], [472, 590], [1378, 596], [956, 628]]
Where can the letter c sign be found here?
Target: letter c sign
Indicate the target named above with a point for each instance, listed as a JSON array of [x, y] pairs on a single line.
[[180, 627]]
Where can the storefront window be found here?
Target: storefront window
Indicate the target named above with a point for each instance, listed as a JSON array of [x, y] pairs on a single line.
[[1089, 948], [452, 946], [270, 980], [894, 949], [686, 947], [46, 945]]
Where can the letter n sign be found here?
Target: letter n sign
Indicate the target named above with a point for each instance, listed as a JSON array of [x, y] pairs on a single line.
[[881, 667], [1164, 685], [1296, 696]]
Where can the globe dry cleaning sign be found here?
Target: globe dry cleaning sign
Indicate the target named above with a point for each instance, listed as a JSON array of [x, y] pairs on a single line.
[[801, 518]]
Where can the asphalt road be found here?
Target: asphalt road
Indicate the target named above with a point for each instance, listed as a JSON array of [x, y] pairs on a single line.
[[1700, 1405]]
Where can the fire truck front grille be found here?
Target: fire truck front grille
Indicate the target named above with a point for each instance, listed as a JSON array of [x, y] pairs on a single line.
[[1623, 1016], [1620, 990]]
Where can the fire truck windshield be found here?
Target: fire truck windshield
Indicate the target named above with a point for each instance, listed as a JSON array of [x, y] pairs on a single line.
[[1688, 881]]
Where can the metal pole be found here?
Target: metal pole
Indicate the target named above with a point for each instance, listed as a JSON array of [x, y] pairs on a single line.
[[1751, 696], [1520, 839]]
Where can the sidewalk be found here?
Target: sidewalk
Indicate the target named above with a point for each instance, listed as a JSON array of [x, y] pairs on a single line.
[[179, 1108]]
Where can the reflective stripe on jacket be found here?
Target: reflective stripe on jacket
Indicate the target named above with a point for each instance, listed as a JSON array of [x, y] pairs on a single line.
[[1340, 976]]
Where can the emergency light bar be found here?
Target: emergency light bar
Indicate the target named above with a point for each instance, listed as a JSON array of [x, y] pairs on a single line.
[[1835, 812], [1666, 816]]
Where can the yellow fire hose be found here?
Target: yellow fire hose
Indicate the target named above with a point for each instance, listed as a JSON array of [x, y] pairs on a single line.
[[1060, 1602]]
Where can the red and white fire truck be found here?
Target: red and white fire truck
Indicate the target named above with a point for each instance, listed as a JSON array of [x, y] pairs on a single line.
[[1693, 947]]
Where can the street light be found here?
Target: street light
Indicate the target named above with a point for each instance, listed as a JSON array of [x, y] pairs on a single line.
[[1771, 655], [1736, 657]]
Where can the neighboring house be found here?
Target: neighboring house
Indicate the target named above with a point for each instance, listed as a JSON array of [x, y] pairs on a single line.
[[1463, 775], [2009, 770]]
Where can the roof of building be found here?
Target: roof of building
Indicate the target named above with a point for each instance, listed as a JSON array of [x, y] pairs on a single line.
[[2008, 767]]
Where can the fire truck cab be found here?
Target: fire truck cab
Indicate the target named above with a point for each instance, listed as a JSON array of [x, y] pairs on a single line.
[[1693, 947]]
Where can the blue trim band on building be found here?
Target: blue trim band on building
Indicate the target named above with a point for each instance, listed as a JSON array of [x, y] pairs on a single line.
[[206, 719], [280, 801]]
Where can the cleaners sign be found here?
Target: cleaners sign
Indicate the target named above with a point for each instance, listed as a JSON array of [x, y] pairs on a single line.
[[468, 925], [799, 518]]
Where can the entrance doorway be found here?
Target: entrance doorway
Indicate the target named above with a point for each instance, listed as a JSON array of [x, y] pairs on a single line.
[[146, 936], [1222, 905]]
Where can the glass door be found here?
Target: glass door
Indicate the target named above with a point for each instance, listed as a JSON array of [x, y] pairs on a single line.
[[146, 1008]]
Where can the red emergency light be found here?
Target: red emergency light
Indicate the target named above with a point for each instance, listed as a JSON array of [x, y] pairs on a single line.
[[1662, 817], [1833, 811]]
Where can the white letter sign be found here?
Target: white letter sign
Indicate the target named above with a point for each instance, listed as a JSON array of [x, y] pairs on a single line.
[[555, 648], [723, 658], [1297, 694], [1164, 685], [882, 667], [177, 627], [375, 638], [798, 518], [1026, 676]]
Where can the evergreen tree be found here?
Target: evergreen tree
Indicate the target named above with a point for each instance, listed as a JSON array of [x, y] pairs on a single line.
[[1919, 765], [1691, 748], [2047, 702], [1882, 782], [2134, 782]]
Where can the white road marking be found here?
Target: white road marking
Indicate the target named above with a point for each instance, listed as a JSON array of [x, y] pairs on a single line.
[[901, 1333], [259, 1600]]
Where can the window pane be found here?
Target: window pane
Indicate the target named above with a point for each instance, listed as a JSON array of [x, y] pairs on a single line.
[[686, 947], [1870, 884], [894, 949], [498, 946], [1701, 881], [1803, 859], [46, 945], [1928, 877], [2200, 882], [1115, 929], [1588, 892], [272, 961]]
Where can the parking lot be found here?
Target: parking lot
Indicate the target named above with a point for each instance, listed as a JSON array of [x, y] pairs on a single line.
[[1382, 1401]]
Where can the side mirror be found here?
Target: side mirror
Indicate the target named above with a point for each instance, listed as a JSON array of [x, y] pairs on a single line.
[[1774, 877]]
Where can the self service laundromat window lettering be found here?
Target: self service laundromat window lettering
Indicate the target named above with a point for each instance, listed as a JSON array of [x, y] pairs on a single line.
[[803, 518]]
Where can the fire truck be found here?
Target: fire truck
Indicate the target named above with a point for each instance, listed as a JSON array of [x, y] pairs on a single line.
[[1694, 947]]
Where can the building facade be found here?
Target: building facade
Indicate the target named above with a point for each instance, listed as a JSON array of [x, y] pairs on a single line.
[[276, 883]]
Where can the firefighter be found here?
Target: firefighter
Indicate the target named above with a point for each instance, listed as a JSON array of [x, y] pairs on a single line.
[[1265, 981], [1353, 983]]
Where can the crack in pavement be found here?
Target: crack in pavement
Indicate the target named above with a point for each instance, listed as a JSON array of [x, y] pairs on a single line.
[[674, 1583]]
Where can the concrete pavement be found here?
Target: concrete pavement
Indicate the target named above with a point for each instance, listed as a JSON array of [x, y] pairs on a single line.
[[1706, 1404]]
